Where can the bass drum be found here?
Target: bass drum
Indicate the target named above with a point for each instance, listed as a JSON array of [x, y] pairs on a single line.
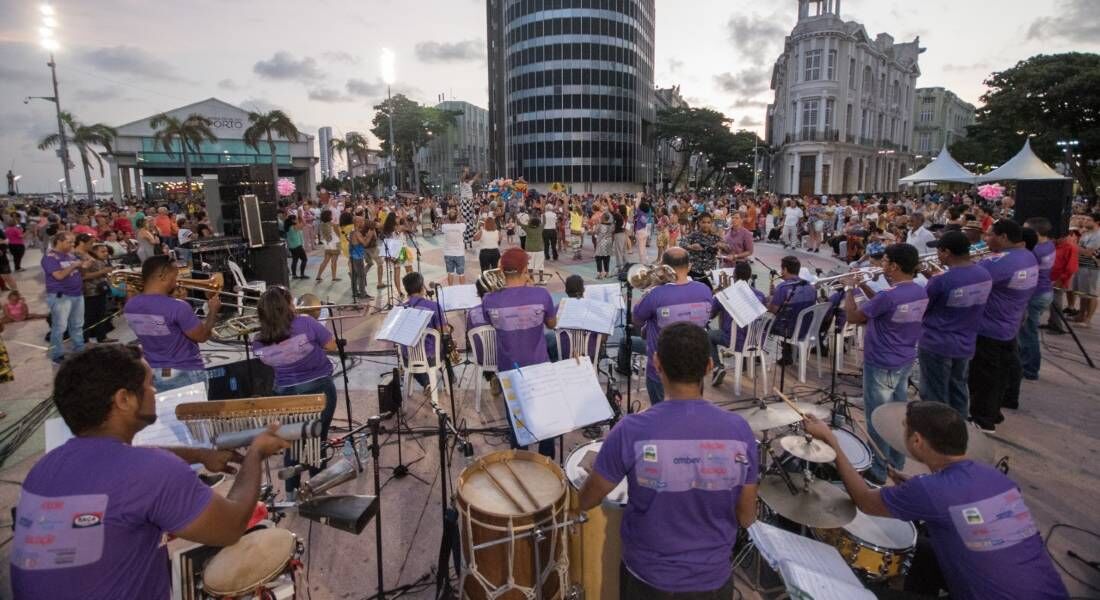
[[595, 549]]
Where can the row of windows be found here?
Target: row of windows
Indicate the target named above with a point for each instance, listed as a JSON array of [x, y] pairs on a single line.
[[576, 173], [572, 101], [570, 26], [575, 124], [577, 51], [553, 77], [617, 151], [625, 7]]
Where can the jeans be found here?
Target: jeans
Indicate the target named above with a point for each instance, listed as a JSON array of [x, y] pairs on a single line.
[[179, 378], [618, 249], [358, 277], [656, 391], [324, 385], [635, 589], [879, 387], [550, 239], [943, 379], [994, 366], [1030, 355], [717, 338], [298, 262], [66, 312]]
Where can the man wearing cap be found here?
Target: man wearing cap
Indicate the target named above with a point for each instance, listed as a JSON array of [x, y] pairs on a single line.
[[956, 301], [518, 313]]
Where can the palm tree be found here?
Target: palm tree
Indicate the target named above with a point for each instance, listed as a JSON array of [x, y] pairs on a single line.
[[353, 145], [84, 138], [191, 133], [267, 126]]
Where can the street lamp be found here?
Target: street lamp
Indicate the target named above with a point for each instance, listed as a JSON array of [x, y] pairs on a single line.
[[60, 184], [49, 42], [1068, 146], [388, 76]]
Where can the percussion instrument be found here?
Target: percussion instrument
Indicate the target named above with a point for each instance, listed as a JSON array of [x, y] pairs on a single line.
[[877, 547], [774, 416], [513, 517], [813, 503], [808, 449], [205, 420], [889, 422], [595, 547], [262, 564], [857, 452]]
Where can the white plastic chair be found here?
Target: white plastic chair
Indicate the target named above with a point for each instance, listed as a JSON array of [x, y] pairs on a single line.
[[486, 336], [816, 315], [578, 342], [415, 359], [242, 285], [849, 331], [753, 349]]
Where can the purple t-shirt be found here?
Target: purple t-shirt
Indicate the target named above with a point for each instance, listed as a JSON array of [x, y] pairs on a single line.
[[300, 357], [1015, 274], [725, 321], [956, 301], [803, 296], [668, 304], [73, 285], [686, 462], [1044, 254], [160, 323], [894, 325], [518, 314], [91, 517], [984, 538]]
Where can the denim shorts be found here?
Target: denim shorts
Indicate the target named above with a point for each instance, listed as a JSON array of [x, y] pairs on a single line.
[[455, 264]]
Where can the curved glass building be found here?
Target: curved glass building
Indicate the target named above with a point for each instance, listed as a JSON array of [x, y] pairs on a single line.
[[571, 91]]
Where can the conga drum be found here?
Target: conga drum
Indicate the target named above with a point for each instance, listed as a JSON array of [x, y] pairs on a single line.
[[262, 564], [506, 500], [595, 547]]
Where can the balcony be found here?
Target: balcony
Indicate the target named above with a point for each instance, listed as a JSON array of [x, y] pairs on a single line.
[[813, 135]]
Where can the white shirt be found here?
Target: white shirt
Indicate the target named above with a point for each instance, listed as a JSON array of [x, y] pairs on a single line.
[[490, 240], [919, 238], [791, 216], [549, 220], [452, 239]]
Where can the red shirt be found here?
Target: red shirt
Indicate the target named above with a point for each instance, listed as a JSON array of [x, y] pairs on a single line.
[[1065, 263], [122, 225]]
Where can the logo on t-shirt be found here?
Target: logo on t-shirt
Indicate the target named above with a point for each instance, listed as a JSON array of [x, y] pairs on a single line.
[[87, 520], [649, 453], [973, 516]]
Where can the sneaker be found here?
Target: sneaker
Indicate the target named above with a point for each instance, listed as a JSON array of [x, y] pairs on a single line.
[[717, 377]]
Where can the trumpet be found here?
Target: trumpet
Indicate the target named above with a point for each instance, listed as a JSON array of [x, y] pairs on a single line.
[[310, 304], [862, 276], [643, 277]]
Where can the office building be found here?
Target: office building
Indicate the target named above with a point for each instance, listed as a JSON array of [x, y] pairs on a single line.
[[939, 118], [571, 92], [324, 138], [841, 120], [465, 144]]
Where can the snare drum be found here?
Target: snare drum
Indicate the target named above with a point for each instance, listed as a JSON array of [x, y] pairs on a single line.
[[877, 547], [595, 549], [262, 564], [503, 499]]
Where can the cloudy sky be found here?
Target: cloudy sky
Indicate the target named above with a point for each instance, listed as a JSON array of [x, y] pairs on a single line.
[[123, 60]]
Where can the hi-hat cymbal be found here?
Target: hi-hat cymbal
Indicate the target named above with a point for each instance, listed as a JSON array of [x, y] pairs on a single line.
[[779, 414], [811, 450], [824, 505], [889, 422]]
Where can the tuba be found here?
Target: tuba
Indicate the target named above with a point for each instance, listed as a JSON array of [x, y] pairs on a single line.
[[643, 277], [492, 280], [724, 281]]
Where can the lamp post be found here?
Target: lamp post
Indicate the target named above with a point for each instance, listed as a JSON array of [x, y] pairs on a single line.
[[388, 76], [50, 43]]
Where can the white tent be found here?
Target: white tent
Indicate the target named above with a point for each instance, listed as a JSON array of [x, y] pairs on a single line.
[[1025, 166], [942, 168]]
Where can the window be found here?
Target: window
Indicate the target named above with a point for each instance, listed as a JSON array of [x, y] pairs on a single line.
[[882, 87], [896, 91], [831, 72], [851, 73], [809, 118], [925, 143], [928, 100], [830, 106], [848, 124], [812, 70], [926, 116]]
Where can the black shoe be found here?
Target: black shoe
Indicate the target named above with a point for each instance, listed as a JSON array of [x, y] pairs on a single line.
[[1056, 331], [1069, 312], [717, 377]]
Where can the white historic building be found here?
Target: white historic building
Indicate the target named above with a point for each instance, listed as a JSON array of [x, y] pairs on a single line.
[[841, 121]]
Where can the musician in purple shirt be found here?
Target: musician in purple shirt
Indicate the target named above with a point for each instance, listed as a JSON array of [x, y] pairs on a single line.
[[792, 296], [414, 287], [893, 319], [956, 301], [64, 294], [1030, 356], [996, 363], [982, 542], [723, 336]]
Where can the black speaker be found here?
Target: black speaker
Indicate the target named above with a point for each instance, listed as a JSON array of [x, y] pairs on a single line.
[[1052, 199], [241, 379], [269, 264], [389, 392], [237, 182]]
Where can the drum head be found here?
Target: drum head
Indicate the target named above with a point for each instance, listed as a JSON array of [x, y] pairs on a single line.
[[577, 474], [254, 560], [882, 532], [493, 495], [857, 452]]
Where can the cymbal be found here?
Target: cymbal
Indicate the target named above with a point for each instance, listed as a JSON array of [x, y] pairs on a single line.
[[889, 422], [811, 450], [776, 415], [824, 506]]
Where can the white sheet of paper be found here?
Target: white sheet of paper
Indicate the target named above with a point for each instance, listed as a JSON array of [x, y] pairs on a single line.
[[459, 297], [741, 303], [806, 583], [807, 275], [391, 247], [168, 431], [589, 315], [553, 399], [608, 293], [404, 325], [777, 545]]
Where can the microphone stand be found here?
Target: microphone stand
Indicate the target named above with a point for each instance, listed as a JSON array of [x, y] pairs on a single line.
[[449, 542], [375, 449], [443, 338], [841, 409], [340, 351], [629, 346]]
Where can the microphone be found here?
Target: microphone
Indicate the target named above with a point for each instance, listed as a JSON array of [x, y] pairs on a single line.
[[288, 472], [291, 433]]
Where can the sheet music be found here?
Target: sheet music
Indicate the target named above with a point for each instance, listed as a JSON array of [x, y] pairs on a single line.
[[404, 325], [741, 303], [608, 293], [807, 275], [776, 545], [458, 297], [391, 247], [589, 315], [805, 583], [552, 399]]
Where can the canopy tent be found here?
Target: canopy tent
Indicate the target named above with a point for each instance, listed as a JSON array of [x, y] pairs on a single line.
[[1025, 166], [942, 168]]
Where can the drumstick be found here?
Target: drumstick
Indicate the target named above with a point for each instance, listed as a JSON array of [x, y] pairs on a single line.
[[500, 487], [789, 403], [522, 486]]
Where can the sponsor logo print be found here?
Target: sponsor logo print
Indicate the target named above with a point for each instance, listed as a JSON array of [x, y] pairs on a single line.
[[973, 516], [86, 520]]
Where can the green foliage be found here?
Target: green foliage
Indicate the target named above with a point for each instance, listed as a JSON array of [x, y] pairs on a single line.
[[707, 131], [190, 132], [266, 126], [83, 138], [414, 125]]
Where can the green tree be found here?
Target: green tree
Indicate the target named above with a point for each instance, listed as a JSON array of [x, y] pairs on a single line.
[[1048, 97], [84, 138], [352, 146], [414, 126], [190, 132], [692, 130], [266, 127]]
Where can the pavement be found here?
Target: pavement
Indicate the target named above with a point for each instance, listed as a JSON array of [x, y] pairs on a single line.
[[1050, 443]]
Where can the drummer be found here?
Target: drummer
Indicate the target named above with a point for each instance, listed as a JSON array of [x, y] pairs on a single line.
[[980, 532], [294, 346], [691, 470], [93, 512]]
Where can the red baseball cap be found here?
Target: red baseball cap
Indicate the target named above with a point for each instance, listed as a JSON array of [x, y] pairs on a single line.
[[513, 260]]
